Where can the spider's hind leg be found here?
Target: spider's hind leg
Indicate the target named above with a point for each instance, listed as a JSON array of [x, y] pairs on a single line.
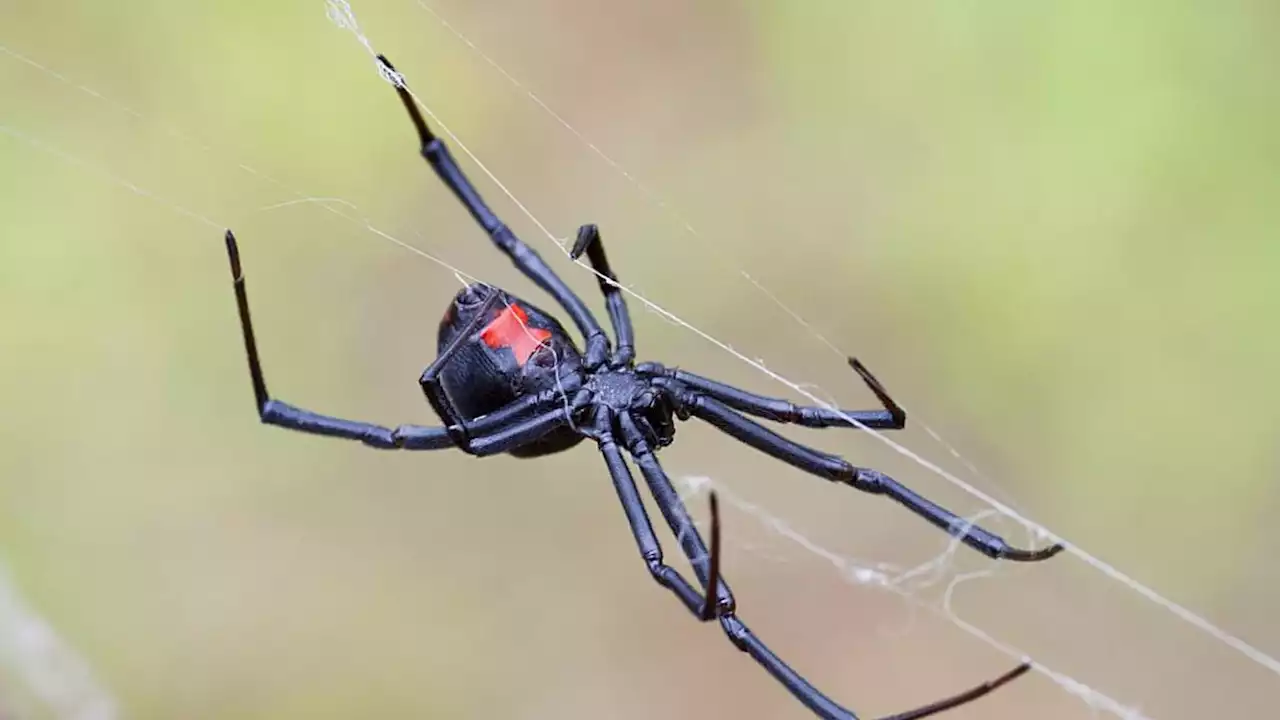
[[455, 424], [495, 428]]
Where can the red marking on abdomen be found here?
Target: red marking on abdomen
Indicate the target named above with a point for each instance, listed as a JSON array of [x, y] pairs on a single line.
[[511, 329]]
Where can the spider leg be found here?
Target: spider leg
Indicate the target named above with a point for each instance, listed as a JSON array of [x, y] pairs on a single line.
[[406, 437], [837, 469], [673, 509], [525, 258], [706, 566], [434, 389], [638, 518], [963, 698], [520, 433], [590, 242], [892, 417]]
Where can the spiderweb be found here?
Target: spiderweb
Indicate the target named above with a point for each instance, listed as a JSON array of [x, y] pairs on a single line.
[[905, 581]]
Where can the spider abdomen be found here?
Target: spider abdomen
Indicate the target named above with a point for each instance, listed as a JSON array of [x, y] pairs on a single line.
[[515, 349]]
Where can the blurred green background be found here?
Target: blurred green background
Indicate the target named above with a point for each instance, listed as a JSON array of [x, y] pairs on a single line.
[[1049, 230]]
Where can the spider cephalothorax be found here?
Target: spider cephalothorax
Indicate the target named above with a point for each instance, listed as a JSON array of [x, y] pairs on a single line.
[[509, 379]]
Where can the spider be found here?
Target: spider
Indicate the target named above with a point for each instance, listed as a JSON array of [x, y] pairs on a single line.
[[509, 379]]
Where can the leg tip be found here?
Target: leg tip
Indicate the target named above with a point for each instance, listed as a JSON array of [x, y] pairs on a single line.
[[865, 374], [233, 254], [587, 234], [899, 415], [1032, 555], [390, 74], [1012, 675], [711, 593], [397, 81]]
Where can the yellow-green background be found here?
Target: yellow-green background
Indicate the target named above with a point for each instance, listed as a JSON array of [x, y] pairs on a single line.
[[1050, 230]]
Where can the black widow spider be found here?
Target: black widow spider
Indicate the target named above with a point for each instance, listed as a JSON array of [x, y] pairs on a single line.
[[508, 379]]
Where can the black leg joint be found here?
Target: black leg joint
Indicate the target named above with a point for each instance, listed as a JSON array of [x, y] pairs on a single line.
[[735, 630], [869, 481]]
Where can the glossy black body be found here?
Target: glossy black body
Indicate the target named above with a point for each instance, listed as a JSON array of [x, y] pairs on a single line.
[[481, 379], [525, 389]]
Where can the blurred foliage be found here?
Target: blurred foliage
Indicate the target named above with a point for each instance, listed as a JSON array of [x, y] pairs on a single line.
[[1085, 200]]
